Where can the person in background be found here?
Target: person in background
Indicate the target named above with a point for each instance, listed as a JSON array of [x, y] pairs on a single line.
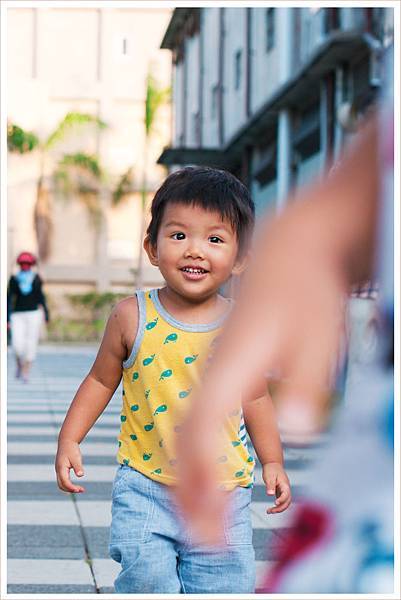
[[288, 320], [24, 317]]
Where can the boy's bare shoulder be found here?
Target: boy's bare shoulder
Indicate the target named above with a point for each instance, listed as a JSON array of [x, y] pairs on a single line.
[[127, 311]]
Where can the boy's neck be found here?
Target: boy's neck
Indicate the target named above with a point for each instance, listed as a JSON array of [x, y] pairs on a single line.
[[189, 310]]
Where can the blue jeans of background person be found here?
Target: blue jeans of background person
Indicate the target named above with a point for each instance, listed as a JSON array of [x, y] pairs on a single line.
[[155, 551]]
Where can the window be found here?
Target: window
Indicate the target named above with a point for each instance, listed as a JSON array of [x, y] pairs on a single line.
[[237, 69], [270, 28], [124, 48]]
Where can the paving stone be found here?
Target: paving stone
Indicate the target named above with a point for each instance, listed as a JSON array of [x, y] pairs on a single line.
[[21, 490], [48, 572], [97, 540], [39, 444], [42, 473], [266, 543], [105, 571], [35, 512], [52, 589], [65, 552], [94, 513], [44, 535], [47, 459]]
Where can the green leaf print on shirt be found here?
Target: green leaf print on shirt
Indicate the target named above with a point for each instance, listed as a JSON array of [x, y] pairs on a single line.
[[236, 443], [148, 360], [135, 376], [185, 393], [147, 456], [190, 359], [123, 418], [160, 409], [148, 426], [171, 338], [161, 444], [133, 437], [126, 461], [250, 459], [152, 324], [135, 407], [147, 392], [240, 473], [165, 374], [156, 472]]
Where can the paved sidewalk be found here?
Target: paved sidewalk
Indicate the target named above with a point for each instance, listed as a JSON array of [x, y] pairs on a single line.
[[58, 543]]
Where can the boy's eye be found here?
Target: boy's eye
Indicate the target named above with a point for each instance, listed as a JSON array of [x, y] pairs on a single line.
[[178, 236], [215, 239]]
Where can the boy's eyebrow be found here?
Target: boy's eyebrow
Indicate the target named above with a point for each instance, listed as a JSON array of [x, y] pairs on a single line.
[[217, 226], [175, 224]]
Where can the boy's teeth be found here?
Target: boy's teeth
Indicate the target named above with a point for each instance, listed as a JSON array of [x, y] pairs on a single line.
[[190, 270]]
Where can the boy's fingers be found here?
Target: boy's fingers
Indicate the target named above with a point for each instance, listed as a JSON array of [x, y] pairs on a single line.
[[64, 482], [76, 464], [271, 485], [280, 508], [284, 496]]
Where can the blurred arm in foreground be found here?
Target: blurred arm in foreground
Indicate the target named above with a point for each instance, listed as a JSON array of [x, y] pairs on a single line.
[[288, 317]]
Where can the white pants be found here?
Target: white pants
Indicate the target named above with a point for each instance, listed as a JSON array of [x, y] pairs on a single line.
[[25, 331]]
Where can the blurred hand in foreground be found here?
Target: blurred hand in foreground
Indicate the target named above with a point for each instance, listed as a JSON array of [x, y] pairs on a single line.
[[287, 320]]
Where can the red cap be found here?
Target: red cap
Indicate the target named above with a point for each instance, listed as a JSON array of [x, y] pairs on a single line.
[[26, 258]]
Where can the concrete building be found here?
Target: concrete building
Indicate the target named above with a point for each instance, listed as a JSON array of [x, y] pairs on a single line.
[[257, 90], [91, 60]]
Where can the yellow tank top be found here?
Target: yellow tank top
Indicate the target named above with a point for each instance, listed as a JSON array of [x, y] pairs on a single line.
[[163, 369]]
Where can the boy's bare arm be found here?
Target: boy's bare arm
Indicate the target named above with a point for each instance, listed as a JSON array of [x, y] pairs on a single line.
[[94, 394], [261, 423]]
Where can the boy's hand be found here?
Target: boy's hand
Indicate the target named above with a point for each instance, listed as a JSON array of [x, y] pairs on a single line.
[[277, 483], [68, 457]]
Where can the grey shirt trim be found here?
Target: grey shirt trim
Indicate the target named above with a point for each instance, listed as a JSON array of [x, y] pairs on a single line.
[[193, 327], [140, 294]]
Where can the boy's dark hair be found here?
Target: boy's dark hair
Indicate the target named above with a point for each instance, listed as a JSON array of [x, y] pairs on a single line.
[[210, 189]]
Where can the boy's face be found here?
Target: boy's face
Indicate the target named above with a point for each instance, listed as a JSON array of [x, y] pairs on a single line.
[[196, 251]]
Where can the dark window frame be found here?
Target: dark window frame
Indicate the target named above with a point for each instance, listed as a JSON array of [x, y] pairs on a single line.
[[238, 69], [270, 28]]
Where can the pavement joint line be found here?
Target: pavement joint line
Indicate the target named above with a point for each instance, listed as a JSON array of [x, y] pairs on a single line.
[[88, 559]]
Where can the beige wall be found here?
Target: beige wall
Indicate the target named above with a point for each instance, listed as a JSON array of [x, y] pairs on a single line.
[[88, 60]]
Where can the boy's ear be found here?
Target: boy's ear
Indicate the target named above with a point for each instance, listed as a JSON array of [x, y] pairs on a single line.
[[151, 251], [241, 263]]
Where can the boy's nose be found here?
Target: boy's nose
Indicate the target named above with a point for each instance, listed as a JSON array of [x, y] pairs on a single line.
[[194, 251]]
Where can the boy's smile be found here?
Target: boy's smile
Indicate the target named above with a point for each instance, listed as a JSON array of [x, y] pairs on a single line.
[[193, 273], [196, 251]]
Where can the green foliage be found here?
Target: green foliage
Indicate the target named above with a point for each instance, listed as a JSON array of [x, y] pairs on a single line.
[[89, 320], [19, 140], [94, 305], [155, 97], [86, 162], [79, 172], [124, 186], [61, 329], [71, 121]]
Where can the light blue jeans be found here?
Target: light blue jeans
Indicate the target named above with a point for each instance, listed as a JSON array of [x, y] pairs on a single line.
[[154, 548]]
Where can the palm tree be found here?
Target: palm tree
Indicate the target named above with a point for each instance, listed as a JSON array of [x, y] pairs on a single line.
[[78, 164], [155, 98]]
